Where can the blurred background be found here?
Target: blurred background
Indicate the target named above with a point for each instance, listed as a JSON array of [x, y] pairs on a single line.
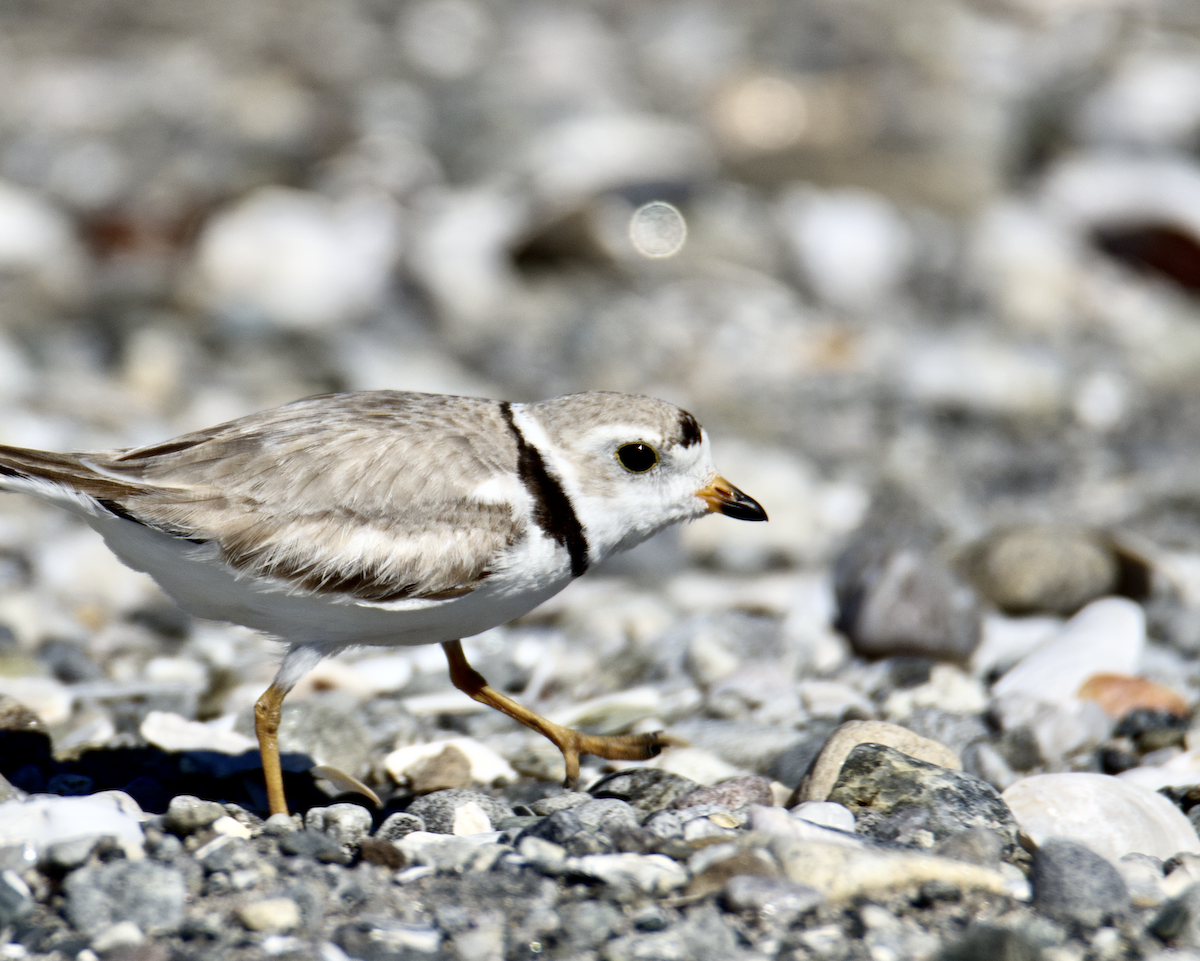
[[945, 252]]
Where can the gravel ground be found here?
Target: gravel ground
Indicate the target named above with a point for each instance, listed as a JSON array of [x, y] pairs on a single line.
[[928, 273]]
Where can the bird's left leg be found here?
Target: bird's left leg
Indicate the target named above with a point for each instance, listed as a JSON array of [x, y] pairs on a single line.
[[267, 711], [572, 743]]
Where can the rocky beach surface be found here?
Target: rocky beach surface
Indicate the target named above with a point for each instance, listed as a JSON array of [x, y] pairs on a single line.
[[928, 274]]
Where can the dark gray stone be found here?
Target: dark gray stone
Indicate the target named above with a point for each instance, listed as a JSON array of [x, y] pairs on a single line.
[[897, 798], [895, 596], [16, 902], [1073, 884], [559, 827], [646, 790], [149, 894], [437, 809], [225, 854], [314, 844], [1178, 922], [987, 942]]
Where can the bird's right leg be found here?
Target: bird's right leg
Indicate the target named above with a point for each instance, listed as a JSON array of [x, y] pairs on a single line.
[[267, 712], [572, 743]]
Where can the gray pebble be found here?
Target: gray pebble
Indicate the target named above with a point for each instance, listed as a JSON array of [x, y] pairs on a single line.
[[225, 853], [313, 844], [399, 825], [647, 790], [16, 902], [345, 823], [1073, 884], [558, 828], [437, 809], [592, 814], [548, 805], [731, 795], [149, 894], [187, 814], [776, 898], [68, 855]]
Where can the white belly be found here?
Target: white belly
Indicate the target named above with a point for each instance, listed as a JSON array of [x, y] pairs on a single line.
[[202, 585]]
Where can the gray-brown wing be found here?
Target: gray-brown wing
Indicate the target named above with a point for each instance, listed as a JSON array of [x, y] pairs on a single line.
[[373, 494]]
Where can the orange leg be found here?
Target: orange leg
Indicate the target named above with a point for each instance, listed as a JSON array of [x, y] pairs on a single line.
[[266, 726], [572, 743]]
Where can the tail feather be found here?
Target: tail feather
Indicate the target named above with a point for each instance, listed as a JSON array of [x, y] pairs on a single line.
[[69, 471]]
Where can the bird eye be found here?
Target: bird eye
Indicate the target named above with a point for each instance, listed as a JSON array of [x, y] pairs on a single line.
[[637, 458]]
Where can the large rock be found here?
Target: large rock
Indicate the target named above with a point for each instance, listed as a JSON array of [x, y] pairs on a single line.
[[820, 778], [897, 798], [1073, 884], [149, 894], [1112, 817], [1043, 569]]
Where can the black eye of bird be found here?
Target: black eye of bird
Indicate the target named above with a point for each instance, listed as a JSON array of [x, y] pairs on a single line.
[[637, 458]]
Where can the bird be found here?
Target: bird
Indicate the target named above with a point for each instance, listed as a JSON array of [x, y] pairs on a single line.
[[392, 518]]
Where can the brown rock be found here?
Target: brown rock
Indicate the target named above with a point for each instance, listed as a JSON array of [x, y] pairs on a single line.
[[1118, 694], [819, 780], [731, 794], [375, 851], [449, 769]]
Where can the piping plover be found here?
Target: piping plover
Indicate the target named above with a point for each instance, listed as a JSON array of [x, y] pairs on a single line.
[[390, 518]]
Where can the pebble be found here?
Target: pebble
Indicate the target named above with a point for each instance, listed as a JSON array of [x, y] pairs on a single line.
[[270, 914], [450, 854], [1110, 816], [1075, 885], [819, 781], [896, 598], [897, 798], [149, 894], [1119, 694], [646, 789], [652, 874], [842, 872], [826, 813], [45, 821], [442, 765], [16, 900], [186, 814], [732, 794], [439, 810], [1043, 569], [1106, 637], [174, 733], [345, 823], [396, 825], [313, 844]]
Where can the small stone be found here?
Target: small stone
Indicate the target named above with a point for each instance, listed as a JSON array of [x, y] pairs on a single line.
[[1109, 815], [68, 855], [826, 813], [777, 899], [443, 761], [842, 872], [469, 819], [548, 805], [1178, 923], [650, 873], [16, 901], [397, 825], [1119, 695], [313, 844], [1073, 884], [187, 814], [817, 784], [545, 856], [647, 790], [897, 798], [149, 894], [125, 934], [345, 823], [271, 914], [1107, 636], [736, 793], [277, 825], [385, 853], [896, 597], [596, 813], [558, 828], [225, 853], [437, 810]]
